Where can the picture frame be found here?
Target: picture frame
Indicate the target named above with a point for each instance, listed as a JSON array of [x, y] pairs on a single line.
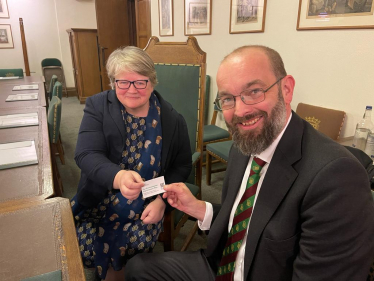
[[197, 17], [166, 17], [335, 14], [247, 16], [6, 38], [4, 12]]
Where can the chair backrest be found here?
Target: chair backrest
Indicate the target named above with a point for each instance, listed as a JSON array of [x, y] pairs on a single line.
[[51, 85], [11, 72], [54, 119], [181, 68], [57, 90], [53, 66], [327, 121], [51, 62], [207, 97]]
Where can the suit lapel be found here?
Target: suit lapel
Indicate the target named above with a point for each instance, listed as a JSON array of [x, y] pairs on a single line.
[[115, 113], [278, 180]]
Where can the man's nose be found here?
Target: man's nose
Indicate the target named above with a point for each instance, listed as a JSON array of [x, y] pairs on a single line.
[[241, 109]]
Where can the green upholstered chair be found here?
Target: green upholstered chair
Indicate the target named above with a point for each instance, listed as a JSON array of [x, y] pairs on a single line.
[[220, 152], [181, 68], [57, 90], [53, 66], [51, 85], [54, 121], [212, 132], [11, 72]]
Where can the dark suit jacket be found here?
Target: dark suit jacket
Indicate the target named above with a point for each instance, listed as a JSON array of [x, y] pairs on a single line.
[[101, 141], [314, 216]]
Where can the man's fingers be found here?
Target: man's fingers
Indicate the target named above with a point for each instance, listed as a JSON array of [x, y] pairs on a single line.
[[174, 187]]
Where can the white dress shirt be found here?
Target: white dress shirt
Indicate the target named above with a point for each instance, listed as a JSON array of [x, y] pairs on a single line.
[[266, 156]]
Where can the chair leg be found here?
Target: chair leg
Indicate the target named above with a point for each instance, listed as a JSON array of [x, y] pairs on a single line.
[[190, 237], [57, 181], [60, 150], [208, 167], [166, 236]]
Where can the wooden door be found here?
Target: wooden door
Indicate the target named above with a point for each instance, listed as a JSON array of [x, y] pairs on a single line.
[[143, 22], [115, 28]]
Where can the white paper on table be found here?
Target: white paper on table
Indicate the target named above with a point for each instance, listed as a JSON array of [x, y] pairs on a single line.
[[17, 154], [153, 187], [19, 120], [9, 77], [22, 97], [26, 87]]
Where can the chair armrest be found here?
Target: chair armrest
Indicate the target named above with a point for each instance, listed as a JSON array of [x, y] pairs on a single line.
[[195, 157]]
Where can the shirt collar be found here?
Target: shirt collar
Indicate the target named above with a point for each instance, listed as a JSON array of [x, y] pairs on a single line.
[[268, 153]]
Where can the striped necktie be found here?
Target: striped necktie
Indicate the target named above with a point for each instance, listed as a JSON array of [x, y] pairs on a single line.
[[240, 223]]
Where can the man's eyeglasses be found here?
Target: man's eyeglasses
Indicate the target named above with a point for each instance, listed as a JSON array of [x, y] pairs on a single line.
[[249, 97], [125, 84]]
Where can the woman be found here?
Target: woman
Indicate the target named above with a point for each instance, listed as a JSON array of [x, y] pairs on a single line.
[[128, 135]]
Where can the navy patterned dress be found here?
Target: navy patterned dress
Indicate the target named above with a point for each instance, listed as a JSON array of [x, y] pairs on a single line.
[[112, 233]]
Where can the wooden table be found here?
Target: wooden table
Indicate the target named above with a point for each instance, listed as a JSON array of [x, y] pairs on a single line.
[[38, 237], [24, 80], [7, 89], [33, 180]]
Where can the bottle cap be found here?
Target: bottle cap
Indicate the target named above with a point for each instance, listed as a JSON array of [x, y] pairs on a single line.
[[369, 107]]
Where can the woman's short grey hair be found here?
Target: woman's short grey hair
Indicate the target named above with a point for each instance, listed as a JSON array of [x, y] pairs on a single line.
[[130, 59]]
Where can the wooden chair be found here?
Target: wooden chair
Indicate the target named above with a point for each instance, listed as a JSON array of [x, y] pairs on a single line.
[[54, 121], [327, 121], [57, 92], [51, 86], [53, 66], [11, 72], [214, 133], [181, 68], [220, 152]]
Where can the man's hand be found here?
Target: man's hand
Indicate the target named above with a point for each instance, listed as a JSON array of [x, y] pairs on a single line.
[[129, 183], [154, 212], [181, 198]]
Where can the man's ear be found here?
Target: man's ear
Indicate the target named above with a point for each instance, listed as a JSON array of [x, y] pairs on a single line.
[[288, 84]]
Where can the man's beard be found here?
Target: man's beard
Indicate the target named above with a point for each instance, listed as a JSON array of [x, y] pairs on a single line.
[[253, 143]]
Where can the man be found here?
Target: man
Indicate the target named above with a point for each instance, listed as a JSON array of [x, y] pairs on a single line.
[[313, 214]]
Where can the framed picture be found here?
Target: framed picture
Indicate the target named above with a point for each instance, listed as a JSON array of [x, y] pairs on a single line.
[[166, 17], [4, 13], [335, 14], [6, 39], [197, 17], [247, 16]]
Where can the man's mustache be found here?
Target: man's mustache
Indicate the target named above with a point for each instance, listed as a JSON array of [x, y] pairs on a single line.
[[242, 119]]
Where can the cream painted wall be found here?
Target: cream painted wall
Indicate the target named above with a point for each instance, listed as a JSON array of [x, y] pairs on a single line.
[[45, 24], [332, 68]]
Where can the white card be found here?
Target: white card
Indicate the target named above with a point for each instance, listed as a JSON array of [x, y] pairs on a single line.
[[153, 187], [22, 97], [26, 87]]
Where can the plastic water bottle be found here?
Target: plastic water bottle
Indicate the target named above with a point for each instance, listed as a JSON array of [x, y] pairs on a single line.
[[363, 128], [369, 148]]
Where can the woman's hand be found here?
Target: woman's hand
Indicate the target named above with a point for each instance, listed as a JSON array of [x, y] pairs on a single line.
[[154, 212], [129, 183]]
